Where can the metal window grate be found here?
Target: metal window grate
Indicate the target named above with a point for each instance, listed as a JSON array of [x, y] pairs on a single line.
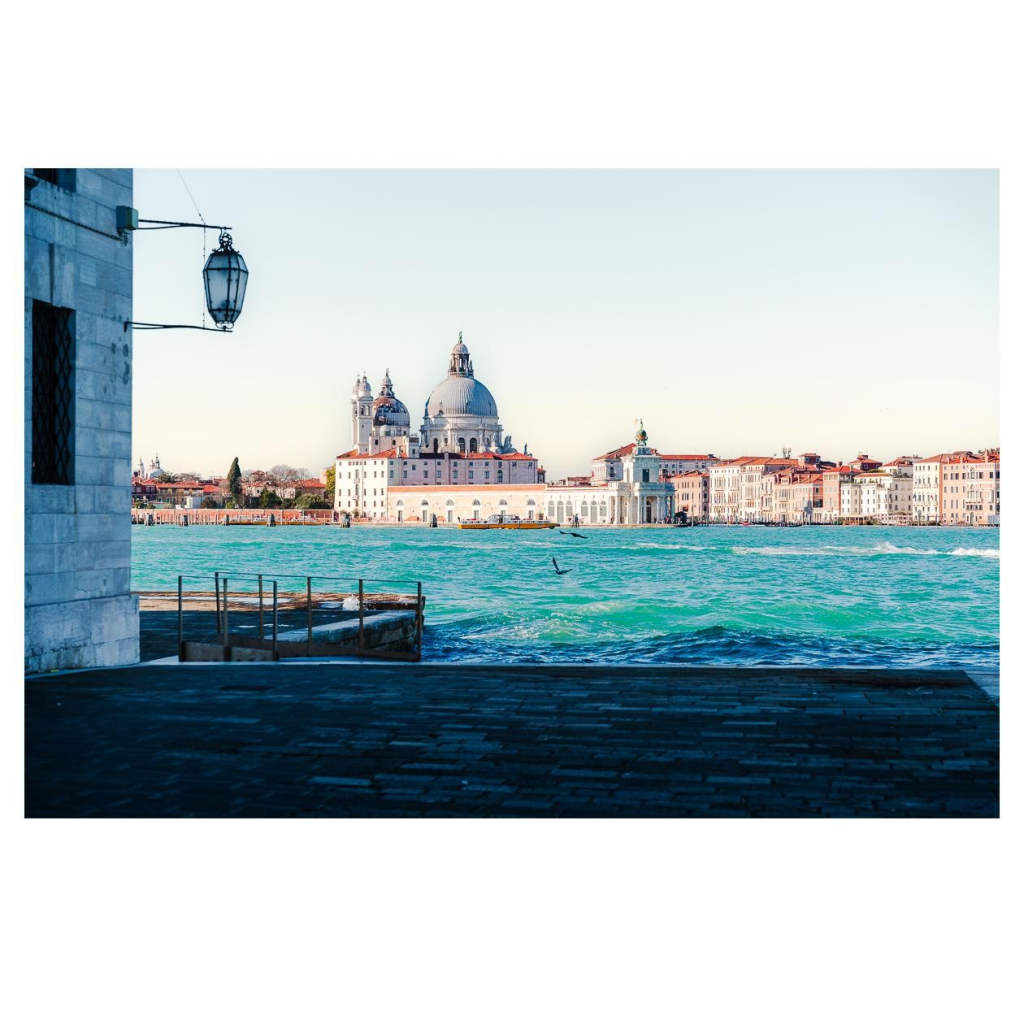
[[53, 394]]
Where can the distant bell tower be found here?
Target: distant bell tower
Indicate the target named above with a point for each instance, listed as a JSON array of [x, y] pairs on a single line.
[[362, 414]]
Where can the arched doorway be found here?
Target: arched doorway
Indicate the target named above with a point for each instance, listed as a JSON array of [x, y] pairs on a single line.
[[473, 447]]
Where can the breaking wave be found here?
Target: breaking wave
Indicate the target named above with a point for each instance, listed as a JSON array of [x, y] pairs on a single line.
[[884, 548]]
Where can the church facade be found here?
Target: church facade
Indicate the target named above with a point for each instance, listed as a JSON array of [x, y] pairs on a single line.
[[460, 464], [460, 443]]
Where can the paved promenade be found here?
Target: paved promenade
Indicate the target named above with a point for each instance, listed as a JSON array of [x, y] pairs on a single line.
[[435, 739]]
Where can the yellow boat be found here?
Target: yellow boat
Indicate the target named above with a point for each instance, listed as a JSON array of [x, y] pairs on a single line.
[[500, 522]]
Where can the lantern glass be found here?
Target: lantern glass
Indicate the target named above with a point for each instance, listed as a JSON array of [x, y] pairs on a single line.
[[225, 276]]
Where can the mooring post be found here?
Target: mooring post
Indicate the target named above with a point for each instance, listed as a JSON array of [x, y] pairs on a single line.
[[419, 618], [225, 611], [216, 597], [261, 608], [309, 616], [180, 632], [274, 642], [360, 615]]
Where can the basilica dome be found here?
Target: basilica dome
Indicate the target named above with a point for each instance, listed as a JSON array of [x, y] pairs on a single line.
[[460, 393], [461, 396], [388, 411]]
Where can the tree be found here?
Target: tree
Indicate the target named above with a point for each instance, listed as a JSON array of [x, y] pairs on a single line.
[[285, 474], [268, 499], [310, 501], [208, 502], [231, 503], [235, 482], [329, 485]]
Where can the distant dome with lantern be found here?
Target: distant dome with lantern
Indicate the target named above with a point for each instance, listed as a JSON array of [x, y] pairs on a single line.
[[388, 411], [460, 393], [459, 418]]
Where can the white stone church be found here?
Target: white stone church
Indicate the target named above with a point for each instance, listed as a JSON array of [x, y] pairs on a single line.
[[462, 465]]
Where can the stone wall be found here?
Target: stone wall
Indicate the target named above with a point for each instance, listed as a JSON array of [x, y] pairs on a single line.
[[78, 608]]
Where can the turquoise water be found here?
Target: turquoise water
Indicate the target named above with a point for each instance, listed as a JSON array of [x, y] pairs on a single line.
[[735, 595]]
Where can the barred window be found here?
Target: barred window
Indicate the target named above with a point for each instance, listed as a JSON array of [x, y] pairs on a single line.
[[53, 394]]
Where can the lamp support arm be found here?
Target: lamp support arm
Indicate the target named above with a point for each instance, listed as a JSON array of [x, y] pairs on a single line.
[[173, 327], [163, 225]]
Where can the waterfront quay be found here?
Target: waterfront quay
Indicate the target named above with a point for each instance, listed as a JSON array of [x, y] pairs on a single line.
[[365, 740]]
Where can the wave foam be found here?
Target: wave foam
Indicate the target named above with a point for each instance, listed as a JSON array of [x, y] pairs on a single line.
[[884, 548]]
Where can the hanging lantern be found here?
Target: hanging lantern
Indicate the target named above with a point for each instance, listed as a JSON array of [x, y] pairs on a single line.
[[225, 276]]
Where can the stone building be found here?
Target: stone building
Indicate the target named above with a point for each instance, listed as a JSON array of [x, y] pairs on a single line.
[[970, 489], [691, 494], [79, 611], [461, 443]]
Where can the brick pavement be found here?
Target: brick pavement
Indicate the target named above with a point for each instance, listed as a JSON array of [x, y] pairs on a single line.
[[438, 739]]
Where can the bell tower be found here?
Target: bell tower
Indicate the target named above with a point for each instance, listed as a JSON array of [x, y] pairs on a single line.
[[362, 414]]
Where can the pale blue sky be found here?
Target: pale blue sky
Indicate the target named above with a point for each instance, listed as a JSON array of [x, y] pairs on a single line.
[[737, 312]]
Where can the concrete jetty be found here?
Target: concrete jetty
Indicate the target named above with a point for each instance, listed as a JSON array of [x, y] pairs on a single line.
[[526, 740]]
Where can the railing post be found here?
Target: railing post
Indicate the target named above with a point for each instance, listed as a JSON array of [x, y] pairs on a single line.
[[360, 615], [216, 597], [274, 641], [419, 619], [180, 636], [225, 611], [309, 616], [261, 609]]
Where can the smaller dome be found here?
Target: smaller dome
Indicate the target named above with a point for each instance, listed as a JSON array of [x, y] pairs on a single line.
[[641, 434], [388, 411]]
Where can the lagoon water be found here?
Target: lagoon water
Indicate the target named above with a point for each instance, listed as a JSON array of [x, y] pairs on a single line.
[[715, 595]]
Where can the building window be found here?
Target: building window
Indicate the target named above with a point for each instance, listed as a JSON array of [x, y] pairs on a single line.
[[53, 394], [63, 177]]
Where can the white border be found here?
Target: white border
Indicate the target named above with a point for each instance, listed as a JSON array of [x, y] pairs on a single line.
[[479, 920]]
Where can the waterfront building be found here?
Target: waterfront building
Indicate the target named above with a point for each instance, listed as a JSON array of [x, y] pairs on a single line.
[[609, 466], [362, 482], [366, 483], [79, 610], [882, 495], [832, 479], [926, 500], [737, 487], [970, 489], [794, 494], [641, 494], [461, 443], [691, 492], [417, 502]]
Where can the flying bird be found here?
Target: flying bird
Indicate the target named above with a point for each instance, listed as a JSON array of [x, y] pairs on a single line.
[[559, 572], [580, 535]]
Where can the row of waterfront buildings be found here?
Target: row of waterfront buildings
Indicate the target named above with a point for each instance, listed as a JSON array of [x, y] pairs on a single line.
[[461, 465], [157, 488]]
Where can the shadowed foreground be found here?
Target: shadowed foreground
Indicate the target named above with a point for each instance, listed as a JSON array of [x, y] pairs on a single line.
[[333, 739]]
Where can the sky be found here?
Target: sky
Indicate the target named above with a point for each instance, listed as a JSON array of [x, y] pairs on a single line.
[[735, 312]]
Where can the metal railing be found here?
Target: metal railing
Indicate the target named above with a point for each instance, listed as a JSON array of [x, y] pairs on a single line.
[[255, 586]]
